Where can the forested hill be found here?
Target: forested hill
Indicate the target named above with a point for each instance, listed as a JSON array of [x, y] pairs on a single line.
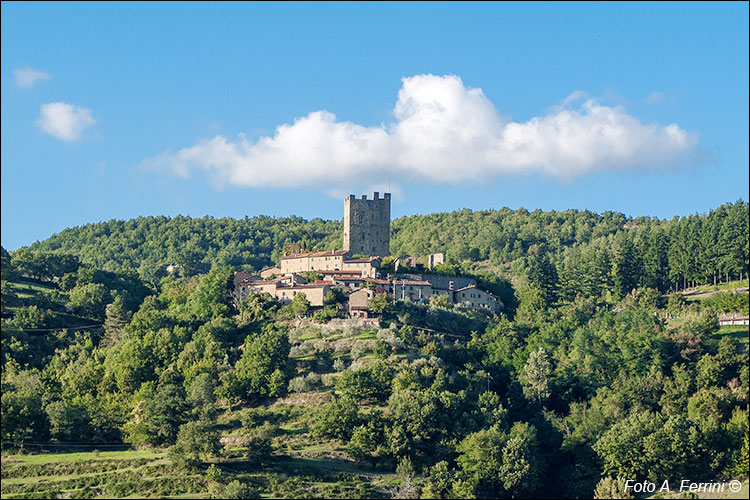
[[590, 372], [662, 254]]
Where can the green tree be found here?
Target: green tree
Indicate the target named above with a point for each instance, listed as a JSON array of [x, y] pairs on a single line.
[[23, 415], [90, 300], [212, 296], [196, 443], [519, 471], [372, 382], [157, 419], [380, 303], [337, 419], [536, 376], [480, 455], [300, 305], [263, 368], [610, 487]]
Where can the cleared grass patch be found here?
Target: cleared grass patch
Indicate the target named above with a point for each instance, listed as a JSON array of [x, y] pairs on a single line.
[[48, 458]]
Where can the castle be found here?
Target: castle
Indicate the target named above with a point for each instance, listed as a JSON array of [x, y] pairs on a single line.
[[366, 240], [367, 225]]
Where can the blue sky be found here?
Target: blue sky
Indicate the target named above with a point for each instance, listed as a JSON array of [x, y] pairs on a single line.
[[122, 110]]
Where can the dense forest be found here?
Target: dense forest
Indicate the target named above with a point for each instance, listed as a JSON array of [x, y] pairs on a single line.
[[616, 251], [604, 363]]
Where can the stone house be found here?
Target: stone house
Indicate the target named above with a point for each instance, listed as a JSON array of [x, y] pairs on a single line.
[[435, 259], [313, 261], [358, 303], [315, 293], [475, 297], [267, 272], [412, 290], [367, 266]]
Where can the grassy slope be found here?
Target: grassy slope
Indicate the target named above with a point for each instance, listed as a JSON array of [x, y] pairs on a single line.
[[301, 464]]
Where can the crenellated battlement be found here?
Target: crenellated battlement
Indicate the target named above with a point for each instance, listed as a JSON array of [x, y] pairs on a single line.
[[367, 224]]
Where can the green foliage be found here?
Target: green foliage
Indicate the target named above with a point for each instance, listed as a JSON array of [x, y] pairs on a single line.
[[380, 303], [263, 368], [337, 419], [196, 442], [372, 382], [258, 442], [495, 462], [90, 300], [158, 417], [235, 489], [536, 376], [211, 297], [22, 405], [300, 305], [610, 487], [649, 446], [727, 302], [541, 401], [368, 440]]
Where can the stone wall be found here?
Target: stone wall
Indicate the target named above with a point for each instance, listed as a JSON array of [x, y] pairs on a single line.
[[367, 225]]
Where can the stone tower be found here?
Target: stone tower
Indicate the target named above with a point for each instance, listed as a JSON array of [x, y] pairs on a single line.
[[367, 225]]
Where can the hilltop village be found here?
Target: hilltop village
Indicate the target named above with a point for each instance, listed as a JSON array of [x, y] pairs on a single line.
[[356, 269]]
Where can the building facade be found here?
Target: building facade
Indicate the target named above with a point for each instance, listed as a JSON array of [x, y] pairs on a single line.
[[366, 266], [367, 225], [471, 296], [326, 260]]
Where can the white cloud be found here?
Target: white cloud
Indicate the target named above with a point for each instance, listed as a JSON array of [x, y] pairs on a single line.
[[64, 121], [27, 77], [443, 132]]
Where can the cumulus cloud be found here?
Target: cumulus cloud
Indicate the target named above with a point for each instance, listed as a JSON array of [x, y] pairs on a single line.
[[442, 132], [64, 121], [27, 77]]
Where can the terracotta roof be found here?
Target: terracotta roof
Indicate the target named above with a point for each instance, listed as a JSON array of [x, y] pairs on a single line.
[[413, 283], [241, 276], [322, 253], [376, 281]]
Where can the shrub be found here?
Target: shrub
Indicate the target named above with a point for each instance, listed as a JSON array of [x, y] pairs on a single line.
[[359, 348], [299, 384], [328, 379]]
